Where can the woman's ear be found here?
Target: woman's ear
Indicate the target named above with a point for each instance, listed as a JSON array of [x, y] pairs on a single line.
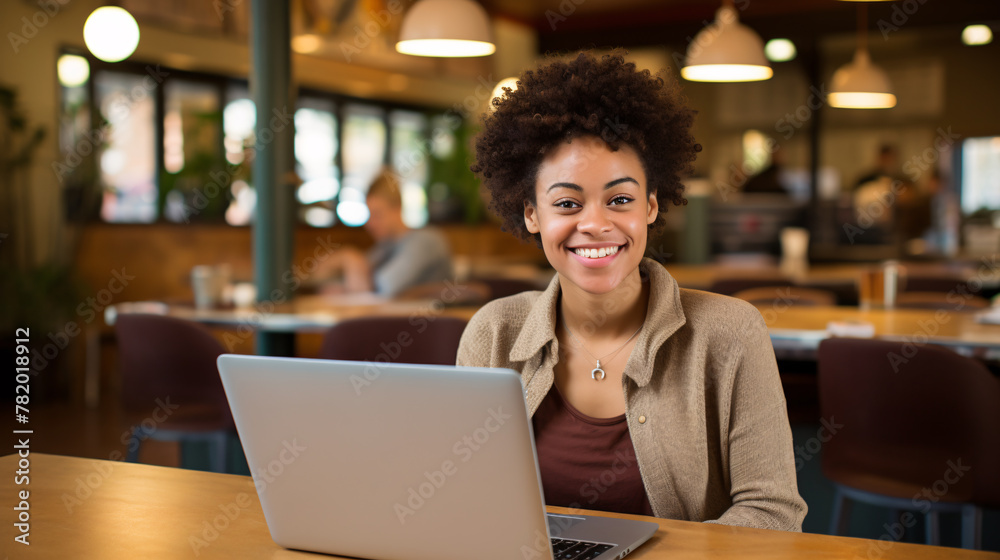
[[531, 217], [652, 208]]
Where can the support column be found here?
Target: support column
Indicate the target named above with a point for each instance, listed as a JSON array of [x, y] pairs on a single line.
[[274, 220]]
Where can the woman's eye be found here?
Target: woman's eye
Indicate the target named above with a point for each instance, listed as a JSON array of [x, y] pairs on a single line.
[[620, 199], [566, 204]]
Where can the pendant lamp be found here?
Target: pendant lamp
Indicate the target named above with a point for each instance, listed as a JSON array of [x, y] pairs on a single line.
[[726, 51], [446, 28], [861, 84], [111, 33]]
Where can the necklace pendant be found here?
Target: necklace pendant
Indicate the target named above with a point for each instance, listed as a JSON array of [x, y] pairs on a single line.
[[597, 374]]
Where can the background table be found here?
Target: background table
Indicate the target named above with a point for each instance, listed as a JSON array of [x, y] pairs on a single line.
[[85, 508]]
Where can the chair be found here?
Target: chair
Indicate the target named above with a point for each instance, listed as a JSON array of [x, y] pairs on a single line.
[[943, 284], [789, 295], [503, 287], [410, 340], [918, 430], [941, 300], [730, 286], [169, 376]]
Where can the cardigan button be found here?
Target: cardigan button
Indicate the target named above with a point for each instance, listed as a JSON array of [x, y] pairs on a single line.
[[642, 419]]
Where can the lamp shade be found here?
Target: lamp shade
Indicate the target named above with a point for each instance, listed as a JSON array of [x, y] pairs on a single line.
[[726, 51], [861, 85], [446, 28]]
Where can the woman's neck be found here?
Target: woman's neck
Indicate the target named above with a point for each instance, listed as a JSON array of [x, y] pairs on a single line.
[[611, 315]]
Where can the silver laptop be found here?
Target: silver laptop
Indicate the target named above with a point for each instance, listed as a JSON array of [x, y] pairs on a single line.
[[403, 462]]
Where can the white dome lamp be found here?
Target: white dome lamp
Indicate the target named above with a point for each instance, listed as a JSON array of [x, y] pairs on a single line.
[[861, 84], [111, 34], [446, 28], [726, 51]]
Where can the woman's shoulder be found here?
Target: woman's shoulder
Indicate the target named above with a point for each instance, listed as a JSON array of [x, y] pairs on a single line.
[[719, 311], [507, 313], [493, 330]]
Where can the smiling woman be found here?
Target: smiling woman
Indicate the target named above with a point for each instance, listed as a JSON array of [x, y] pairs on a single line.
[[645, 398]]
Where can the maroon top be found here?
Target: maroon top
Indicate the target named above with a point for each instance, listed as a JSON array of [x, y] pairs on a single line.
[[587, 462]]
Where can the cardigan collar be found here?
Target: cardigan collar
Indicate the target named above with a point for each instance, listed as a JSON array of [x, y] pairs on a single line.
[[664, 315]]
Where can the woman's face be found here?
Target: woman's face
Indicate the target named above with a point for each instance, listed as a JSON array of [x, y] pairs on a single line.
[[592, 211]]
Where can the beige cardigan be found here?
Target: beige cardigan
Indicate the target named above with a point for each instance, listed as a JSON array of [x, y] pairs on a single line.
[[703, 400]]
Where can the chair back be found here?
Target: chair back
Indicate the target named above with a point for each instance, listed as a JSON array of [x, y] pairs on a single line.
[[503, 287], [164, 357], [408, 340], [788, 295], [942, 284], [910, 414], [730, 286]]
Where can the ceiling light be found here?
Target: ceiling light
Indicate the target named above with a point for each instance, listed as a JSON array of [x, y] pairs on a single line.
[[498, 90], [780, 50], [111, 33], [73, 70], [308, 43], [860, 84], [726, 51], [446, 28], [977, 35]]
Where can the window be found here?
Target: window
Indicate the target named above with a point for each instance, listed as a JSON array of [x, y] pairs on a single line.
[[409, 158], [316, 160], [127, 158], [191, 150], [980, 170], [363, 157], [178, 146]]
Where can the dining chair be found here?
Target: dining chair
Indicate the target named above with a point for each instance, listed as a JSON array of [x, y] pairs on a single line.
[[409, 340], [503, 287], [169, 376], [789, 295], [941, 300], [730, 286], [918, 430]]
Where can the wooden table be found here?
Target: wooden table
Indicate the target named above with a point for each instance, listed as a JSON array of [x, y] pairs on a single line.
[[701, 277], [797, 331], [314, 313], [86, 508]]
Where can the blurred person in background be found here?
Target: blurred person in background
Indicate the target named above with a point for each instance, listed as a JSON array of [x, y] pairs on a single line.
[[401, 259]]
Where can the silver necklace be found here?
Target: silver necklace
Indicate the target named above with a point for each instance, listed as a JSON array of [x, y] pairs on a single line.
[[598, 370]]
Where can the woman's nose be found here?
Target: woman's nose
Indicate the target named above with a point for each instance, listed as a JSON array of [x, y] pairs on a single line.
[[594, 220]]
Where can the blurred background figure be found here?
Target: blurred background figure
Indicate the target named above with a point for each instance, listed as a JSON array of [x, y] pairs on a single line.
[[401, 259], [769, 180], [886, 166]]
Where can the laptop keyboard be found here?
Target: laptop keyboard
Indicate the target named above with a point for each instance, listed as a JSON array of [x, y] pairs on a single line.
[[565, 549]]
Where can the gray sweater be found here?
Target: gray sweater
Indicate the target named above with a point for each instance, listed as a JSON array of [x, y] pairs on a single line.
[[704, 404]]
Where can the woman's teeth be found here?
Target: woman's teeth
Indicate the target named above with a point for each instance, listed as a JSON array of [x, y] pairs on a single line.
[[596, 253]]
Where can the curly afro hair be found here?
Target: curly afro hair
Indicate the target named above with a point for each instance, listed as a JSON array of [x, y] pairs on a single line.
[[602, 97]]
